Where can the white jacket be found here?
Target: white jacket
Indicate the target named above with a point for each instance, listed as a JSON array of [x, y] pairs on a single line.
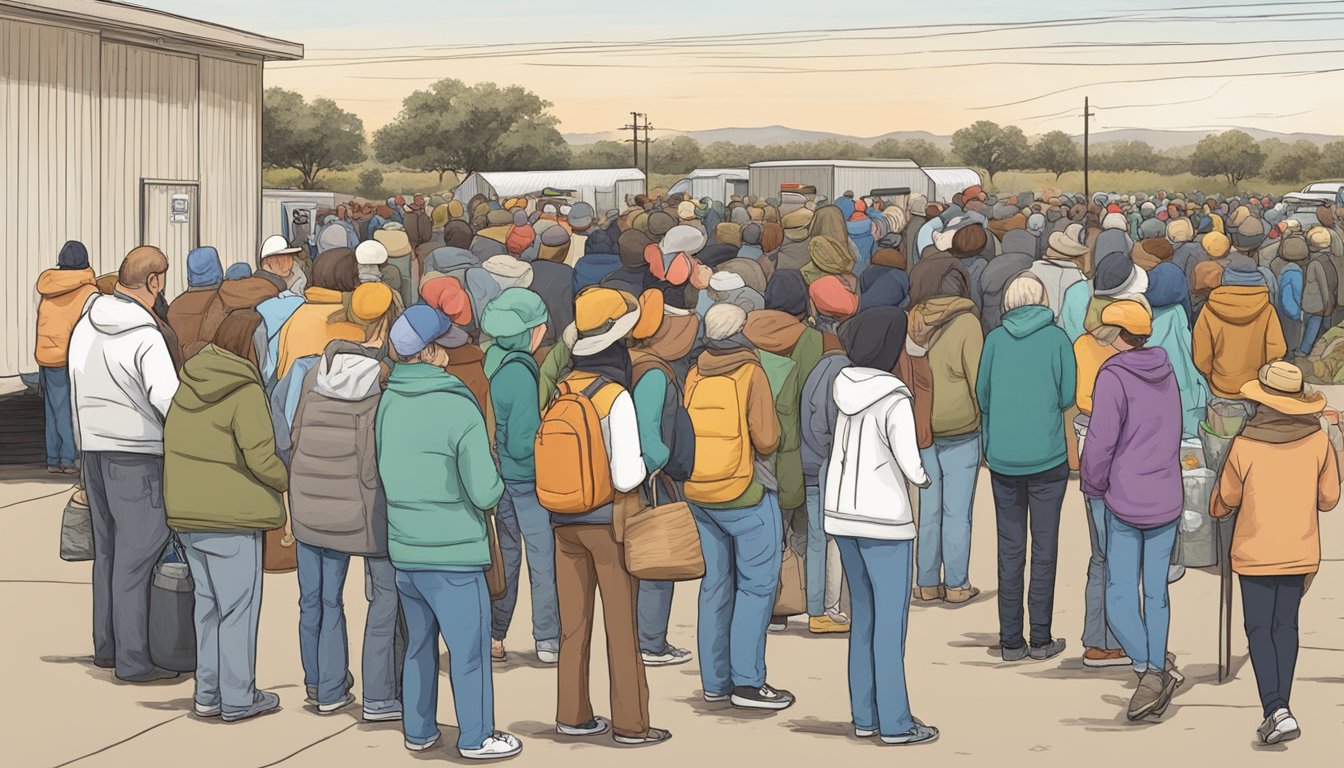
[[873, 456], [122, 378]]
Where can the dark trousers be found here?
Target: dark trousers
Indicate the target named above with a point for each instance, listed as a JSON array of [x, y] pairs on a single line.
[[130, 530], [1269, 605], [1022, 503]]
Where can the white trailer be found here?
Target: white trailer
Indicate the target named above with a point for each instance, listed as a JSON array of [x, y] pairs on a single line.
[[833, 178], [719, 184]]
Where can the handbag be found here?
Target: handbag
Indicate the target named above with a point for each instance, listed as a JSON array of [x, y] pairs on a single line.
[[77, 530], [791, 599], [496, 583], [662, 542], [278, 553], [172, 612]]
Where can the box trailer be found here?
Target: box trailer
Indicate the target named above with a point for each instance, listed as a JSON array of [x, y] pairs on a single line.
[[719, 184], [833, 178]]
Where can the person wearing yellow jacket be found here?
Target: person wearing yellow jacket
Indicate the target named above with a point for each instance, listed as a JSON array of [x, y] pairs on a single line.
[[64, 291]]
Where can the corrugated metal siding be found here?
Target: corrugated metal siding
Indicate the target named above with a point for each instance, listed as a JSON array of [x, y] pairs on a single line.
[[230, 171], [862, 181], [150, 131], [48, 168], [765, 181]]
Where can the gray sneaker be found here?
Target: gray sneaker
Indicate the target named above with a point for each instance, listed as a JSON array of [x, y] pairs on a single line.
[[1013, 654], [311, 690], [920, 734], [1049, 650], [265, 703], [1148, 696], [670, 657]]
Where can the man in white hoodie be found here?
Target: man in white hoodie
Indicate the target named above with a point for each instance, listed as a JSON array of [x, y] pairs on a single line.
[[867, 510], [122, 380]]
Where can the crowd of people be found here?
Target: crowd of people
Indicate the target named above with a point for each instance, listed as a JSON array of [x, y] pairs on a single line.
[[446, 389]]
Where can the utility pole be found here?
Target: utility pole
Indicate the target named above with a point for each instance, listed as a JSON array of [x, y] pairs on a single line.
[[634, 142], [647, 128], [1087, 124]]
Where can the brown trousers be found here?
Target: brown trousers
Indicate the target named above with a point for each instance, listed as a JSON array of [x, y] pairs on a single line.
[[588, 558]]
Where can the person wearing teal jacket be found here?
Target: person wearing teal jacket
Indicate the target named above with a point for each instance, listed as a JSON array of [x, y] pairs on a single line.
[[1028, 378], [1168, 293], [440, 481], [517, 321]]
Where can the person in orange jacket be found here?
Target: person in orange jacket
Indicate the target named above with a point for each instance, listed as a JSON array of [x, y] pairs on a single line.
[[64, 291]]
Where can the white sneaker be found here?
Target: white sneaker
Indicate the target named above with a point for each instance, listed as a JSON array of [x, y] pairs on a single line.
[[497, 745], [716, 698], [414, 747], [670, 657], [864, 733], [780, 627], [336, 706], [595, 727], [548, 657], [204, 711], [1279, 727]]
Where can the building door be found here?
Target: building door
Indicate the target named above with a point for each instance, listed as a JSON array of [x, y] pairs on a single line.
[[170, 220]]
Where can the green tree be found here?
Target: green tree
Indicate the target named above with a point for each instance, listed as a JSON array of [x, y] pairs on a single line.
[[677, 154], [987, 145], [1295, 162], [1057, 153], [308, 137], [922, 151], [726, 154], [1332, 160], [601, 154], [1125, 156], [1234, 155], [370, 184], [465, 128]]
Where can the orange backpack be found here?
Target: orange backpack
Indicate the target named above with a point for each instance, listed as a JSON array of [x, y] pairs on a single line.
[[573, 471], [724, 455]]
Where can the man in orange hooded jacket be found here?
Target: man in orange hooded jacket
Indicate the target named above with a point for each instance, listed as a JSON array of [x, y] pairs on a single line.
[[64, 291]]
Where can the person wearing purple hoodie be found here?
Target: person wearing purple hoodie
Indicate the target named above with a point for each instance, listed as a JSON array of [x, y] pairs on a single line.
[[1131, 460]]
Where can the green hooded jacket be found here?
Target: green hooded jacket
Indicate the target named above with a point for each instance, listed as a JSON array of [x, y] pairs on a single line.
[[220, 471], [437, 471], [1028, 378]]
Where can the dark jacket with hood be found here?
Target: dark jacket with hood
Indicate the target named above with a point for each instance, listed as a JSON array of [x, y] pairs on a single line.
[[335, 495], [992, 282], [220, 471], [941, 274]]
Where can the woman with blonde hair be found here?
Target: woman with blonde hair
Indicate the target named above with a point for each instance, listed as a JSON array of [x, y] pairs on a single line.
[[1027, 380]]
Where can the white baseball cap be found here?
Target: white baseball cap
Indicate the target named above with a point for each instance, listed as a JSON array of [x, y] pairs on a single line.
[[275, 245], [371, 252]]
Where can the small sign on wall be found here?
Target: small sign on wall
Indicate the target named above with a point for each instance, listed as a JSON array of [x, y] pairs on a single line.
[[179, 209]]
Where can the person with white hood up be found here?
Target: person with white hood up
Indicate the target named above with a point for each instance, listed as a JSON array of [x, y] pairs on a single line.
[[122, 380], [867, 509]]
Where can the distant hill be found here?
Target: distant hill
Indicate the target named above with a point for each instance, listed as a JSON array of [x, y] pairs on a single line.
[[779, 134]]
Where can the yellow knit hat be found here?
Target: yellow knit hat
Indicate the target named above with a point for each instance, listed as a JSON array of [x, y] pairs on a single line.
[[1216, 244], [370, 301]]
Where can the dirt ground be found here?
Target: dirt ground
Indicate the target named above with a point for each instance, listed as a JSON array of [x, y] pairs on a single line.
[[61, 710]]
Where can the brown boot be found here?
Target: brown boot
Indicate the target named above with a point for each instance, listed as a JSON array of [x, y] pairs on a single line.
[[961, 595], [930, 594]]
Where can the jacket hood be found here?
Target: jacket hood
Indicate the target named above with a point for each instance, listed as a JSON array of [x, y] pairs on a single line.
[[675, 338], [713, 363], [1024, 321], [1020, 241], [1167, 286], [774, 331], [211, 375], [414, 379], [859, 388], [112, 315], [347, 371], [57, 282], [247, 293], [1149, 364], [944, 309], [1238, 305]]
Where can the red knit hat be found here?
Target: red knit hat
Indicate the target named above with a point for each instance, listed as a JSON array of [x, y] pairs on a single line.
[[446, 295]]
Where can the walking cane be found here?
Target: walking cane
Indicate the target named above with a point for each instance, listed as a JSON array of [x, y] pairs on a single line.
[[1224, 605]]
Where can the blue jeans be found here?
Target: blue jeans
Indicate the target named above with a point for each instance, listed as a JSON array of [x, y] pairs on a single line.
[[226, 568], [944, 553], [455, 604], [815, 564], [743, 551], [59, 422], [1137, 558], [384, 637], [525, 526], [879, 575], [324, 643], [655, 610], [1096, 633], [1311, 330]]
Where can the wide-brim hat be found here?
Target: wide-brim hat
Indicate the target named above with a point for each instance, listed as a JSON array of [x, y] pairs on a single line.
[[1279, 385], [602, 317], [1066, 246]]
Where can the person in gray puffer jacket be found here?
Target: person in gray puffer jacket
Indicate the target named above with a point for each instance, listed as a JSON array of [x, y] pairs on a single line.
[[338, 509]]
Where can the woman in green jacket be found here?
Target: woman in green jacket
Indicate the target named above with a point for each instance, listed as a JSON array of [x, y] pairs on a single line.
[[222, 487], [1028, 378], [440, 480]]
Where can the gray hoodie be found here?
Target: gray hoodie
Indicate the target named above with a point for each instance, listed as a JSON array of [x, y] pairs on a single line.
[[336, 496]]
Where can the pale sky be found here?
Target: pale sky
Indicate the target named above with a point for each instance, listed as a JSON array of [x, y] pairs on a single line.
[[851, 68]]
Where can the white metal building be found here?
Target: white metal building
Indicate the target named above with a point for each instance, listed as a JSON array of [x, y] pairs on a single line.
[[122, 126], [715, 183], [948, 181], [603, 188], [833, 178]]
